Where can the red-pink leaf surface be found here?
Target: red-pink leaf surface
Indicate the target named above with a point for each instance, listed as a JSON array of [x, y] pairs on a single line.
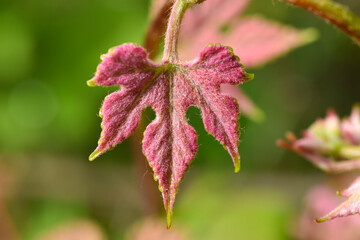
[[350, 207], [169, 143]]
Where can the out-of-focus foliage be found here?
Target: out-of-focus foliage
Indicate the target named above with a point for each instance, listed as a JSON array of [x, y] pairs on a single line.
[[318, 202], [333, 146], [48, 123], [74, 230], [330, 144]]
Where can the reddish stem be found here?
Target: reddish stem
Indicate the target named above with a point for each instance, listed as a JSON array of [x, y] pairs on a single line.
[[157, 29], [334, 13]]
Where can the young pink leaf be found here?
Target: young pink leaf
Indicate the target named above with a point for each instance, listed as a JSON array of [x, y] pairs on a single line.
[[353, 189], [323, 136], [170, 88], [350, 207], [329, 143], [319, 201]]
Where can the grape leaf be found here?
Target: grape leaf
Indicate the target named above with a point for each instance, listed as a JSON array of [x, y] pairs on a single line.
[[170, 88]]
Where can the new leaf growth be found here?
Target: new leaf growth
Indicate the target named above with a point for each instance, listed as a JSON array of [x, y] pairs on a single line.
[[333, 145], [170, 88]]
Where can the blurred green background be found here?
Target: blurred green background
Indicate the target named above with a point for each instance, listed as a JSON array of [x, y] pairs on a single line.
[[49, 125]]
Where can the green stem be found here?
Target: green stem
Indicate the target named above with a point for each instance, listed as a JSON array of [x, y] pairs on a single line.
[[334, 13], [173, 29]]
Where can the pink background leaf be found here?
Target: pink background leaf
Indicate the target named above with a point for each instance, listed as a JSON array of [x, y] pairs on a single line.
[[254, 39], [350, 207], [319, 201]]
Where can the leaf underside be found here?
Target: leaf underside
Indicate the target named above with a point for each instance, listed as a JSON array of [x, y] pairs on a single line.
[[169, 143]]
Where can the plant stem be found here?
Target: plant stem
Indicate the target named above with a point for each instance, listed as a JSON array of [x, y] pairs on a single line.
[[156, 30], [334, 13], [173, 29]]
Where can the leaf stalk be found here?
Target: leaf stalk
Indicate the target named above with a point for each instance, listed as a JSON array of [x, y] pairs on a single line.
[[173, 29], [334, 13]]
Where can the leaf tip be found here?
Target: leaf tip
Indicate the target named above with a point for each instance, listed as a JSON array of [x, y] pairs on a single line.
[[249, 77], [94, 155], [321, 220], [257, 115], [237, 165], [309, 35], [169, 218], [91, 83]]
